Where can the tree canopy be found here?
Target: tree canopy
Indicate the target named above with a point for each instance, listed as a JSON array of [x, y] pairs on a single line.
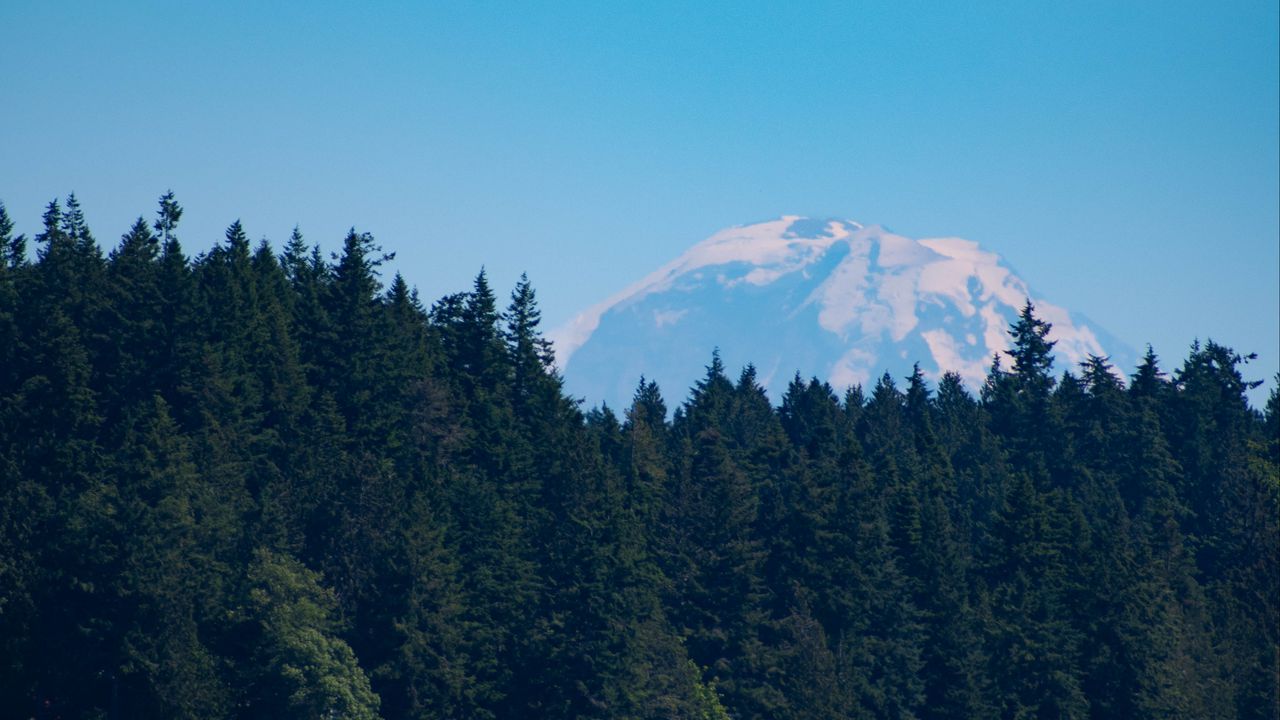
[[262, 483]]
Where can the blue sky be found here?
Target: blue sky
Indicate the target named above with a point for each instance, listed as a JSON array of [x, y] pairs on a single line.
[[1124, 157]]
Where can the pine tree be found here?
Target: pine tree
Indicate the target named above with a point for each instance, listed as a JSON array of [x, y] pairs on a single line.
[[12, 262], [168, 217], [801, 546], [135, 306], [165, 667], [1148, 380], [878, 637], [1235, 526], [178, 354], [531, 355], [276, 360], [309, 276], [353, 309], [1031, 646], [715, 558], [1272, 428], [423, 671], [13, 248], [646, 459], [253, 485], [480, 354], [1032, 355]]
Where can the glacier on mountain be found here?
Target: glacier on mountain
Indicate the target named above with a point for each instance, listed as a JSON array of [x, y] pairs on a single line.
[[826, 298]]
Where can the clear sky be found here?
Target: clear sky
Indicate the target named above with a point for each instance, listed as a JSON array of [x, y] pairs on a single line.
[[1123, 156]]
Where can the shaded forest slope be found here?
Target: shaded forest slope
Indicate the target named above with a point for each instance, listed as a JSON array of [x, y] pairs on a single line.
[[257, 484]]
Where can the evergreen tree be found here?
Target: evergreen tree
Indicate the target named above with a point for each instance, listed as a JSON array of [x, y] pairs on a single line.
[[530, 354], [178, 354], [715, 558], [1148, 380], [424, 670], [165, 667], [646, 461], [13, 248], [135, 302], [253, 485], [12, 261]]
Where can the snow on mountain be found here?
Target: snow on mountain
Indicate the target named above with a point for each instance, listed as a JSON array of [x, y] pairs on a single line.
[[827, 298]]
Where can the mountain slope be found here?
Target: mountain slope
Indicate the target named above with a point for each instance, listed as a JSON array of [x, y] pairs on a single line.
[[830, 298]]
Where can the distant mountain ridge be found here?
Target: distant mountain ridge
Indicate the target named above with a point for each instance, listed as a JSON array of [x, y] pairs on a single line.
[[823, 297]]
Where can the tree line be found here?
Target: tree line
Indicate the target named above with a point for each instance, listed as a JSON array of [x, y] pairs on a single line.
[[254, 484]]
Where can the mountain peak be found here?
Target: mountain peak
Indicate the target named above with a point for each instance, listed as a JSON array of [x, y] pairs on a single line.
[[828, 297]]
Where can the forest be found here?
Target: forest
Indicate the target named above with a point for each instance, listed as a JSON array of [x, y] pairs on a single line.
[[267, 483]]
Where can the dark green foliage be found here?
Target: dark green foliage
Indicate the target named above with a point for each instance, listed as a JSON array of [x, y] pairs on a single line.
[[259, 484]]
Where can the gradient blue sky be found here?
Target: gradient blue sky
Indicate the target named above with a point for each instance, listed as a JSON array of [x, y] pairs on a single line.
[[1123, 156]]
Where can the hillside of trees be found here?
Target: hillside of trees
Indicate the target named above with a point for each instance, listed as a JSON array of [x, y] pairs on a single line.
[[261, 484]]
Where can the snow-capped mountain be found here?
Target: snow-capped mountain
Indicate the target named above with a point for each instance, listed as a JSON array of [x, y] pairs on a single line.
[[828, 298]]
